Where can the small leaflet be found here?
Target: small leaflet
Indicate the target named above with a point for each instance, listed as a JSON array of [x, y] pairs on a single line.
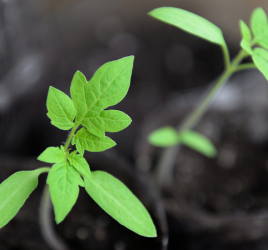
[[80, 164], [63, 181], [52, 155], [60, 108], [245, 31], [261, 63], [84, 140]]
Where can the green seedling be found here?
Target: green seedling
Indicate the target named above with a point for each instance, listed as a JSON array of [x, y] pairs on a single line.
[[85, 115], [254, 44]]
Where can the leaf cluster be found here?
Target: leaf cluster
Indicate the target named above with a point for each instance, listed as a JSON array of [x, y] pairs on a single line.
[[86, 115]]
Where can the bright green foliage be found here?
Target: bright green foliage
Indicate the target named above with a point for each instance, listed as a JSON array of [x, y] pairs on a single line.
[[164, 137], [107, 87], [87, 141], [52, 155], [198, 143], [63, 181], [60, 108], [262, 52], [113, 120], [259, 27], [245, 31], [246, 46], [189, 22], [261, 62], [14, 191], [80, 164], [120, 203]]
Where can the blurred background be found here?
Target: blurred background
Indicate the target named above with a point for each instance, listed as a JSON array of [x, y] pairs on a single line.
[[43, 43]]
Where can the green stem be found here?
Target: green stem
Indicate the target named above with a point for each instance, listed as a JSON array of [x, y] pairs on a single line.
[[245, 66], [66, 146], [226, 56], [164, 169]]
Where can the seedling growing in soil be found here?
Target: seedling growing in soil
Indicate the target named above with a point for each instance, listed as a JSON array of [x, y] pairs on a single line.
[[85, 115], [254, 44]]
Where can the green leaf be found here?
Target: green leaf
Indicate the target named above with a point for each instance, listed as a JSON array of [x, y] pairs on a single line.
[[198, 142], [112, 120], [262, 52], [84, 140], [189, 22], [164, 137], [107, 87], [260, 63], [246, 46], [52, 155], [63, 181], [259, 27], [245, 31], [14, 191], [61, 109], [80, 164], [120, 203]]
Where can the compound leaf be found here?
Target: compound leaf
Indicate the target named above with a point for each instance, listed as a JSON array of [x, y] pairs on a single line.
[[246, 46], [198, 142], [14, 191], [189, 22], [80, 164], [84, 140], [63, 181], [245, 31], [52, 155], [260, 63], [107, 87], [120, 203], [259, 27], [60, 108], [164, 137]]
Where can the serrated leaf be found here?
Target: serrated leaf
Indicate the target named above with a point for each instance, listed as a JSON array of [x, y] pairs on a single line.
[[84, 140], [80, 164], [52, 155], [112, 120], [14, 191], [259, 27], [245, 31], [61, 109], [120, 203], [260, 63], [189, 22], [63, 181], [198, 142], [262, 52], [246, 46], [164, 137], [107, 87]]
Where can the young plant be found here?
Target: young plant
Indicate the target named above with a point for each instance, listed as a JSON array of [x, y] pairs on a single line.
[[254, 44], [85, 115]]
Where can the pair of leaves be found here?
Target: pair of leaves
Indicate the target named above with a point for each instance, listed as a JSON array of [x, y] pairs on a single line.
[[14, 191], [168, 136], [108, 192], [107, 87], [190, 22]]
